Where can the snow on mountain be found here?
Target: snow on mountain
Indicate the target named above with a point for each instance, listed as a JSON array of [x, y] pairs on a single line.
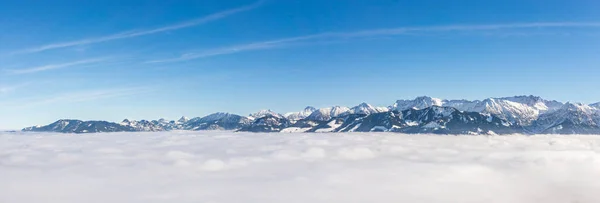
[[512, 111], [58, 126], [425, 102], [177, 125], [524, 114], [435, 119], [339, 110], [156, 125], [448, 120], [367, 109], [331, 126], [144, 125], [267, 123], [541, 105], [596, 105], [301, 114], [183, 119], [382, 109], [418, 103], [385, 121], [265, 112], [461, 105], [211, 117], [78, 126], [325, 114], [522, 110], [218, 121], [570, 119], [587, 109]]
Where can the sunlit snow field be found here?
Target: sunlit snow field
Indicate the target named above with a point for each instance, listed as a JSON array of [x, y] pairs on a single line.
[[225, 167]]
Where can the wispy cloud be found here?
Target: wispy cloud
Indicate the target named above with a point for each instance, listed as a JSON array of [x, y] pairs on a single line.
[[130, 34], [285, 42], [54, 66], [240, 48]]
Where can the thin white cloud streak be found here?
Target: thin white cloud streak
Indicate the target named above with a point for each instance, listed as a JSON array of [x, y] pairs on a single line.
[[280, 43], [54, 66], [130, 34], [239, 48]]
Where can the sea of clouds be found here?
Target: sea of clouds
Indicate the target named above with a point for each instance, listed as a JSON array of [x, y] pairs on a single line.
[[227, 167]]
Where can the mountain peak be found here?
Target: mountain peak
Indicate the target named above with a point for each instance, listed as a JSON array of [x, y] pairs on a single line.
[[300, 115], [310, 108], [324, 114], [423, 97], [366, 109], [183, 119], [364, 104], [525, 99], [576, 106], [532, 97], [265, 112], [337, 110], [420, 102]]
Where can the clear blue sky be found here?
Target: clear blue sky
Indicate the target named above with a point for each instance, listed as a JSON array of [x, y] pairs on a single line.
[[113, 59]]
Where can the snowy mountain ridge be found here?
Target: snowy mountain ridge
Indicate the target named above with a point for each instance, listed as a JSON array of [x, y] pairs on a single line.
[[518, 114], [518, 109], [294, 116]]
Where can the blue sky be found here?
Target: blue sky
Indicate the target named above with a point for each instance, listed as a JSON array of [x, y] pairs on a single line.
[[110, 60]]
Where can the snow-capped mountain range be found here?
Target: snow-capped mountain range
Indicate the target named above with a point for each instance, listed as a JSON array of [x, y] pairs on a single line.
[[506, 115]]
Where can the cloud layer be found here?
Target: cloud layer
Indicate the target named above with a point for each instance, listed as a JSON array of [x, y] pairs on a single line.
[[238, 167]]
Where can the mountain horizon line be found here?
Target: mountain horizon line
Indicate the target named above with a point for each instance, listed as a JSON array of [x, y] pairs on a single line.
[[424, 97], [505, 115]]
